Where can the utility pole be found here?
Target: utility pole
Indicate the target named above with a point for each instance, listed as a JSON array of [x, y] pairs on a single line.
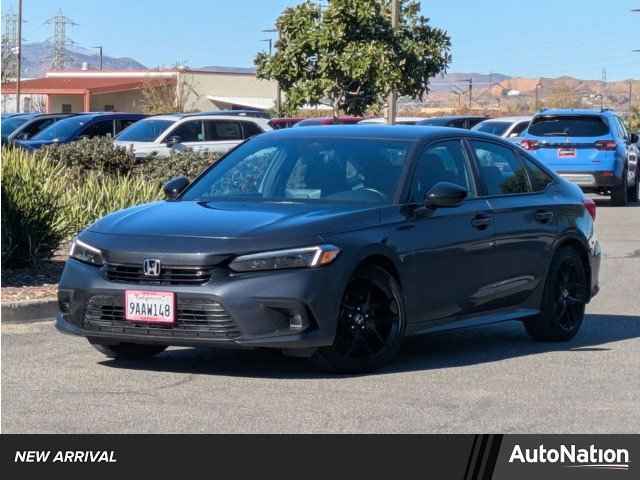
[[392, 108], [99, 48], [630, 95], [19, 57], [470, 82], [278, 89], [604, 88], [538, 88], [59, 39]]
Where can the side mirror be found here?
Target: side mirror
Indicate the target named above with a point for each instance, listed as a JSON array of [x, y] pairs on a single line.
[[173, 140], [445, 195], [175, 187], [634, 138]]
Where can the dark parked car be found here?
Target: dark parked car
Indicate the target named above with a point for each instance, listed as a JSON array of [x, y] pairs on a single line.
[[337, 243], [33, 125], [458, 121], [86, 125], [314, 122]]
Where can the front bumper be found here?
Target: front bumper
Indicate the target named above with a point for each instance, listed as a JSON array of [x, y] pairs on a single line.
[[257, 309]]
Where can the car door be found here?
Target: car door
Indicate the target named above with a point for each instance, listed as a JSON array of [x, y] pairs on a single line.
[[632, 152], [525, 220], [446, 251], [221, 135]]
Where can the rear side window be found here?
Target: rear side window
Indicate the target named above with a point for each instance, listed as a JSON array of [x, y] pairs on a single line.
[[494, 128], [219, 130], [568, 126], [539, 178], [501, 170], [102, 128], [518, 129]]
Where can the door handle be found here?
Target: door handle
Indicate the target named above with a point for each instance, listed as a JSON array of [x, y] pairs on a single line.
[[481, 221], [544, 216]]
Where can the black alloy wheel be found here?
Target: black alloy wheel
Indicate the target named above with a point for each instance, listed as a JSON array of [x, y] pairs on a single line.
[[565, 296], [371, 323]]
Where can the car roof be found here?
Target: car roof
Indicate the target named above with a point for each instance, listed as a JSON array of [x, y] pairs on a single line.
[[202, 116], [574, 112], [94, 115], [454, 117], [380, 132], [522, 118]]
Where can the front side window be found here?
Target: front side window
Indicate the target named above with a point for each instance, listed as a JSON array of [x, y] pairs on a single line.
[[568, 126], [147, 130], [306, 169], [190, 131], [443, 162], [501, 170], [221, 130]]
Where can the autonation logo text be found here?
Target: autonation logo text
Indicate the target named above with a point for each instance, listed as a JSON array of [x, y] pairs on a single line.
[[573, 457]]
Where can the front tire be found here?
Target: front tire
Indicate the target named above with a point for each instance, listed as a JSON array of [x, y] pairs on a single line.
[[564, 299], [371, 324], [127, 351]]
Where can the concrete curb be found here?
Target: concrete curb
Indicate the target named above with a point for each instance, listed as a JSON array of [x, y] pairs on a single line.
[[29, 311]]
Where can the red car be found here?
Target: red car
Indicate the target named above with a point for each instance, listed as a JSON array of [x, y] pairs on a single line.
[[343, 120]]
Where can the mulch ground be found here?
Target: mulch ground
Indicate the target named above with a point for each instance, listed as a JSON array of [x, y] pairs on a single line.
[[33, 283]]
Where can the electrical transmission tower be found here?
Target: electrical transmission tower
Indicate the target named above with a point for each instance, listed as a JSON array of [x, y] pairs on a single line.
[[9, 46], [59, 40]]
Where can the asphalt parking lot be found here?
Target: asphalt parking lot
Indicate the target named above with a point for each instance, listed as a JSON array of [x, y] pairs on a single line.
[[491, 380]]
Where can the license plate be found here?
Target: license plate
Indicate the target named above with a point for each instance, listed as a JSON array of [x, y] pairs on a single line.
[[149, 307], [566, 153]]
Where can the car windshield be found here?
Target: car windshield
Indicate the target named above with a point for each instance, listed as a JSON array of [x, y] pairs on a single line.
[[10, 124], [145, 130], [64, 129], [568, 126], [494, 128], [306, 169]]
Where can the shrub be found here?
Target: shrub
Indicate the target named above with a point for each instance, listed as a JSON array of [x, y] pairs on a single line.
[[31, 194], [98, 195], [189, 164], [90, 155]]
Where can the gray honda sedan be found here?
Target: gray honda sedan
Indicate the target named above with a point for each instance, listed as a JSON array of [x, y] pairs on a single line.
[[336, 243]]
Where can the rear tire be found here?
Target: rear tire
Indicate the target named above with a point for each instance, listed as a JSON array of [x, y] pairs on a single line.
[[634, 190], [371, 324], [564, 299], [128, 351], [620, 193]]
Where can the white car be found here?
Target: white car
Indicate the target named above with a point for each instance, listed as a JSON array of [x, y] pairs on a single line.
[[505, 127], [383, 121], [200, 132]]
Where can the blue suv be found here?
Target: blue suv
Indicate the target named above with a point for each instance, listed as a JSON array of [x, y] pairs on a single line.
[[590, 148]]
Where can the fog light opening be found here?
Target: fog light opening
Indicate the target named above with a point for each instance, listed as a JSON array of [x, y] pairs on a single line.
[[297, 322]]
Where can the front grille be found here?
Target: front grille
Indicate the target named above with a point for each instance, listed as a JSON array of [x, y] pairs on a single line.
[[169, 275], [196, 318]]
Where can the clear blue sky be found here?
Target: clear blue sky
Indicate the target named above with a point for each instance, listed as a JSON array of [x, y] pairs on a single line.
[[516, 37]]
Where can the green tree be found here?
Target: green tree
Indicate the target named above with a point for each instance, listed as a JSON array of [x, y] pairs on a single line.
[[349, 55], [633, 120]]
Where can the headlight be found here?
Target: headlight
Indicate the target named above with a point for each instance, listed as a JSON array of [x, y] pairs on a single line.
[[85, 253], [280, 259]]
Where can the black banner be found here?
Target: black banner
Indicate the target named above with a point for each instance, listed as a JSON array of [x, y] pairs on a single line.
[[465, 457]]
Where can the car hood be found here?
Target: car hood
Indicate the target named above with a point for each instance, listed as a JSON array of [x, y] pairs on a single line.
[[228, 227]]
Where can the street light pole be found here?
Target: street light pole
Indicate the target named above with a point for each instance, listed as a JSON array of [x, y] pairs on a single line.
[[393, 96], [538, 88], [19, 58], [278, 89], [99, 48]]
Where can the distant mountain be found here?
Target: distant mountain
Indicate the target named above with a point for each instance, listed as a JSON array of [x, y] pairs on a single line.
[[36, 60]]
